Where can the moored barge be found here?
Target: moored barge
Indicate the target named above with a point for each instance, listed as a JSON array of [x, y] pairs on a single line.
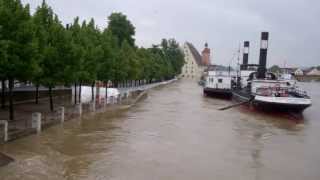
[[264, 90], [219, 82]]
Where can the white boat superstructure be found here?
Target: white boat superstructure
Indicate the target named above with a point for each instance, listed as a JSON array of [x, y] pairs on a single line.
[[219, 82]]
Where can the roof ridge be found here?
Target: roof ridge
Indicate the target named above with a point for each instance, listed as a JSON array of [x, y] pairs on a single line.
[[195, 53]]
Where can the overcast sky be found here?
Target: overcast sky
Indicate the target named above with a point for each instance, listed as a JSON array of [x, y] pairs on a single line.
[[294, 25]]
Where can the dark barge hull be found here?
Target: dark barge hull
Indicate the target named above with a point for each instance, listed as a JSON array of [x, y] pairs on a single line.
[[242, 96], [271, 106], [219, 93]]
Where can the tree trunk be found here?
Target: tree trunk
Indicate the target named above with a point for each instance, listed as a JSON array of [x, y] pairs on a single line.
[[37, 94], [3, 93], [80, 88], [11, 110], [51, 99], [92, 91], [75, 93]]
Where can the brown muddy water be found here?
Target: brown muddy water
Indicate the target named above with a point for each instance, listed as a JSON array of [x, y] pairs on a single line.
[[174, 134]]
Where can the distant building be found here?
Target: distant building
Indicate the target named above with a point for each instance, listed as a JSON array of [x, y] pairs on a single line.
[[298, 72], [313, 72], [206, 53], [293, 71], [193, 67]]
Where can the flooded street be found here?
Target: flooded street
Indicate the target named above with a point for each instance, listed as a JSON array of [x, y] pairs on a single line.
[[174, 134]]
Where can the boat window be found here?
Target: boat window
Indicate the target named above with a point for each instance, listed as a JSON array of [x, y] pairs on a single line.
[[220, 80]]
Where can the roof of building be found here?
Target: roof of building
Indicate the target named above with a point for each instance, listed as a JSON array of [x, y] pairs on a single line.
[[195, 54], [312, 71]]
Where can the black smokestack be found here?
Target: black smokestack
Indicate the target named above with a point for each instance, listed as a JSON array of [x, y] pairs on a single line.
[[245, 55], [263, 55]]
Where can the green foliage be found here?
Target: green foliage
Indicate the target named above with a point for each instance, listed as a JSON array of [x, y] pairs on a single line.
[[40, 49], [105, 70], [121, 28], [275, 69], [16, 41]]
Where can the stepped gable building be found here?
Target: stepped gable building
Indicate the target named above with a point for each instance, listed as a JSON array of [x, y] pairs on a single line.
[[194, 66], [206, 55]]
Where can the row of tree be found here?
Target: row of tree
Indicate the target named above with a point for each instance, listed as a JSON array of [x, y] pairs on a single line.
[[40, 49]]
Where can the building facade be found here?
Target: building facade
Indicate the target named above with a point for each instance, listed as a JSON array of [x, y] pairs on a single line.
[[193, 67], [298, 72]]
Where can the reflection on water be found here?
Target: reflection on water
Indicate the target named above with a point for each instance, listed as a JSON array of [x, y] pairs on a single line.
[[175, 133]]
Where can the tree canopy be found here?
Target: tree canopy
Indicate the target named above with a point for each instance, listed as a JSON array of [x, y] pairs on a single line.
[[39, 48]]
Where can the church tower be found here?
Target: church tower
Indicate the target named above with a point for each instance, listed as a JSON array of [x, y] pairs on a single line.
[[206, 55]]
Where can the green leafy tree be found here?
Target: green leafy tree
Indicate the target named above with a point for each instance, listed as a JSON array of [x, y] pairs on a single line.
[[55, 54], [42, 20], [175, 56], [77, 52], [17, 46], [275, 69], [40, 49], [121, 28], [106, 71], [121, 64], [93, 52]]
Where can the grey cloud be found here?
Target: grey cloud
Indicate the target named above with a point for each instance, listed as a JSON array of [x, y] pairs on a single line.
[[293, 24]]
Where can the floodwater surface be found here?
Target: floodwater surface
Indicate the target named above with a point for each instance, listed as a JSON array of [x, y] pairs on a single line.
[[174, 134]]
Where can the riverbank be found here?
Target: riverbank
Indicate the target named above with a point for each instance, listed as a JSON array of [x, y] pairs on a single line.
[[23, 126]]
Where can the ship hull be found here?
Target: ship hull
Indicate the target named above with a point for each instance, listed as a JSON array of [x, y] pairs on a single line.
[[220, 93], [269, 106], [280, 104], [285, 104]]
